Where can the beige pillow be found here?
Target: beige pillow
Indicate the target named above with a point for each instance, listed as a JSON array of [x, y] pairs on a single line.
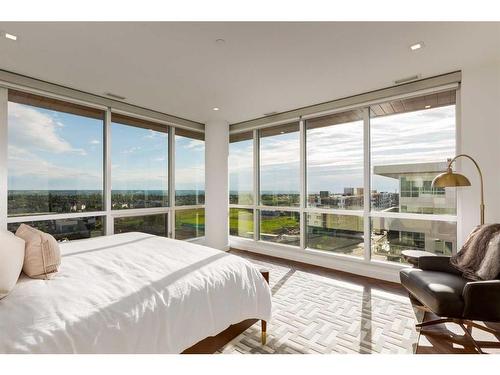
[[11, 261], [42, 256]]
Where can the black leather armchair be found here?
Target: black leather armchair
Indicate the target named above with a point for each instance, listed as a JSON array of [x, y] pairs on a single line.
[[442, 290]]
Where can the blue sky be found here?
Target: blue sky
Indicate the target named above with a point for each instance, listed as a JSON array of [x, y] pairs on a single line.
[[55, 150], [335, 153], [51, 150]]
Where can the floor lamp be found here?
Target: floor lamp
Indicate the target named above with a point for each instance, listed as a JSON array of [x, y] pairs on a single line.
[[452, 179]]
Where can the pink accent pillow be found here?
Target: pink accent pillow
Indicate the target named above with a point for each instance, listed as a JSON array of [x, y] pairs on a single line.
[[42, 256]]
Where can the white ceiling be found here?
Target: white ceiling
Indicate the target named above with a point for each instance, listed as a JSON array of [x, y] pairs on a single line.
[[179, 69]]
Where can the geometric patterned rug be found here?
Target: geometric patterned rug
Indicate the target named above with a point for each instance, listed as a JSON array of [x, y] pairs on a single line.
[[316, 314]]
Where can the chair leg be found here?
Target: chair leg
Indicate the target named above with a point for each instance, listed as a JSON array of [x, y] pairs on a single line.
[[460, 322], [468, 334], [433, 322], [470, 323]]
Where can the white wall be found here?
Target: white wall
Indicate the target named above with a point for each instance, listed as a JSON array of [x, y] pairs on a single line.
[[216, 185], [480, 137]]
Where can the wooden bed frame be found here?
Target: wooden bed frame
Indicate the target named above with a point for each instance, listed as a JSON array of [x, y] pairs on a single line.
[[213, 343]]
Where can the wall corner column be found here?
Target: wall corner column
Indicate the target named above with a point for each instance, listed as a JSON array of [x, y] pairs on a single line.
[[216, 185]]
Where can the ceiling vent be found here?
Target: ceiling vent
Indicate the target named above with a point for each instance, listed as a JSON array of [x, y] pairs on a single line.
[[407, 79], [115, 96], [270, 113]]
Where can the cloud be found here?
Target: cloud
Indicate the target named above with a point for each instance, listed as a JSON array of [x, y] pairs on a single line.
[[195, 145], [33, 128], [335, 154], [95, 142], [131, 150], [27, 170]]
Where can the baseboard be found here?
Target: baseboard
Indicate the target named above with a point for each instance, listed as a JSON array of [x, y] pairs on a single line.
[[374, 269]]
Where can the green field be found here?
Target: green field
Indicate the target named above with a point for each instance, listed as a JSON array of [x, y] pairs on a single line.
[[189, 223], [241, 222]]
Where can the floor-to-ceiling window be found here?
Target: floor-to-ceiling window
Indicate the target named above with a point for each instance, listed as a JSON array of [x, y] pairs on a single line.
[[189, 168], [279, 182], [139, 168], [55, 165], [411, 141], [241, 184], [79, 171], [279, 165], [354, 182], [335, 186], [241, 168], [189, 184]]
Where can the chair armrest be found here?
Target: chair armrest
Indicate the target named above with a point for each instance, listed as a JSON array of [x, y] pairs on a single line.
[[437, 263], [482, 300]]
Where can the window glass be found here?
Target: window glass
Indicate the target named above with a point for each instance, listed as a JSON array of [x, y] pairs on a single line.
[[139, 160], [280, 227], [241, 222], [241, 168], [152, 224], [189, 223], [335, 233], [189, 168], [280, 165], [411, 141], [335, 161], [67, 229], [391, 236], [55, 156]]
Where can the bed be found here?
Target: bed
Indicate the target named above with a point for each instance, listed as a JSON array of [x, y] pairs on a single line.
[[132, 293]]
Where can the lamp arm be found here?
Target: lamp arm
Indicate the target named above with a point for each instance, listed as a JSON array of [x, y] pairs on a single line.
[[480, 178]]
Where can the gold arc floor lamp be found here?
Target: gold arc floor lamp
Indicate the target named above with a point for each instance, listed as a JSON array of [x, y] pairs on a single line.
[[452, 179]]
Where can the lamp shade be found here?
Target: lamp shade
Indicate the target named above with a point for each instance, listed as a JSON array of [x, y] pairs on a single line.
[[450, 179]]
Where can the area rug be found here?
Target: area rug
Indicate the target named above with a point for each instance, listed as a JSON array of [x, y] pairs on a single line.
[[317, 314]]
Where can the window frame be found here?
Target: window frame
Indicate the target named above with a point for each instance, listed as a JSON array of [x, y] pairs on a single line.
[[367, 213], [107, 214]]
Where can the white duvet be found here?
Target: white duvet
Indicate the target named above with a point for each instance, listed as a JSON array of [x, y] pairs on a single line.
[[132, 293]]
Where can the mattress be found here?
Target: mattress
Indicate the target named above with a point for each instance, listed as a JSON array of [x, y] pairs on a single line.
[[132, 293]]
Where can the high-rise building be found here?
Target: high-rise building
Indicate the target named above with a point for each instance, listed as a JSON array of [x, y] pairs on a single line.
[[348, 191]]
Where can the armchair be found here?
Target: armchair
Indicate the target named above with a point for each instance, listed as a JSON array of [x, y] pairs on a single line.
[[442, 289]]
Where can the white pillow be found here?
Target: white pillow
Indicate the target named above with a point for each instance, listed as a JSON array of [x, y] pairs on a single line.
[[11, 261]]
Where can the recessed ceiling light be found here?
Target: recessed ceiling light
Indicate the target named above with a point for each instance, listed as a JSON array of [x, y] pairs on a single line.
[[215, 108], [10, 36], [427, 106], [220, 41], [416, 46]]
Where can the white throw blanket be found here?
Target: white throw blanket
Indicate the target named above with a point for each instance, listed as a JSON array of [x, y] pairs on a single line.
[[132, 293]]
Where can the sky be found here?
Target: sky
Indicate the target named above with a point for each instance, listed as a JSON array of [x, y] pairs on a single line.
[[335, 153], [51, 150]]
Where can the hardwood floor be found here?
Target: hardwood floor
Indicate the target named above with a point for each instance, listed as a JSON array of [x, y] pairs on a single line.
[[439, 339]]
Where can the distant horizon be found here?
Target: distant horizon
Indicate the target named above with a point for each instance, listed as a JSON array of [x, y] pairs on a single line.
[[236, 192], [100, 190]]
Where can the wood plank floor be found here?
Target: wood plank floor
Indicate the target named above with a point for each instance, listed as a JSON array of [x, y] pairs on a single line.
[[439, 339]]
